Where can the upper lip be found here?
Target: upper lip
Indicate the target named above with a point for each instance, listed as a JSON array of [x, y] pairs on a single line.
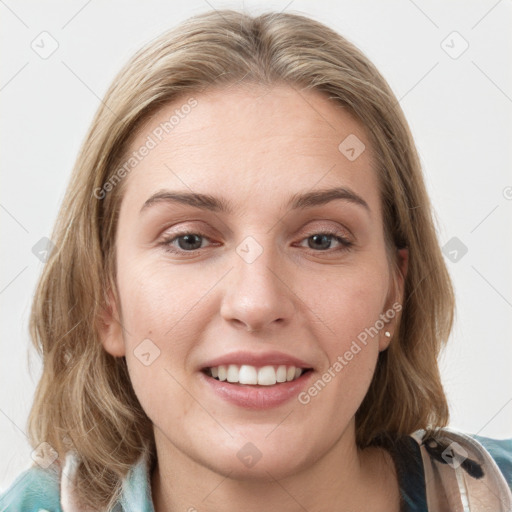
[[256, 359]]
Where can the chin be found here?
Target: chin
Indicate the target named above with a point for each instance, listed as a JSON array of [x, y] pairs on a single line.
[[263, 471], [265, 461]]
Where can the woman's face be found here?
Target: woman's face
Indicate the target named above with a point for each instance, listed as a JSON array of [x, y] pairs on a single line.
[[262, 270]]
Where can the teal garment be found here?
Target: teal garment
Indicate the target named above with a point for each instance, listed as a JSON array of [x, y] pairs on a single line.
[[38, 490], [501, 452], [411, 476]]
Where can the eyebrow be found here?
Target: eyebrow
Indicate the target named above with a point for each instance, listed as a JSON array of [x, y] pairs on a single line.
[[300, 200]]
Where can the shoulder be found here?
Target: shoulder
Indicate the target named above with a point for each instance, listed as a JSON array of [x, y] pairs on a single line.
[[52, 489], [501, 451], [485, 463], [34, 490]]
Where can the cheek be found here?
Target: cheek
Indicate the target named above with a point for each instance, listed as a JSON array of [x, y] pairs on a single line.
[[348, 310], [350, 302], [158, 334], [351, 347], [151, 302]]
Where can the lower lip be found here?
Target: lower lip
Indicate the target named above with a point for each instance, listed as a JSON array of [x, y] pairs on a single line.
[[257, 397]]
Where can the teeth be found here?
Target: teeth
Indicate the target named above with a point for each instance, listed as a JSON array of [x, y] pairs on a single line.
[[263, 376], [247, 375], [281, 373], [222, 373], [266, 376], [232, 373]]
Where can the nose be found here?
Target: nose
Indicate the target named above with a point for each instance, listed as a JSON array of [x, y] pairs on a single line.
[[258, 294]]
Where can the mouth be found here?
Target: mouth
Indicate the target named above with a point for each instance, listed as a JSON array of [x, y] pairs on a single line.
[[256, 380], [255, 376]]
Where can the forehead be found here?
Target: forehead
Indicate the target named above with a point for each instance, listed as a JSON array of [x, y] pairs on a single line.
[[251, 140]]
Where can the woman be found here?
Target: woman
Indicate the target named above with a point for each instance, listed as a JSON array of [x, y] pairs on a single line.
[[247, 298]]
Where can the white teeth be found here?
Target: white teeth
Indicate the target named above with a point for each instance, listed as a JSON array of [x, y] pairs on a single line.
[[281, 373], [263, 376], [222, 373], [266, 376], [248, 375], [232, 374]]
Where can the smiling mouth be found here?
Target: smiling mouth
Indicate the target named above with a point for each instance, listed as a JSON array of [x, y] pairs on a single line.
[[245, 374]]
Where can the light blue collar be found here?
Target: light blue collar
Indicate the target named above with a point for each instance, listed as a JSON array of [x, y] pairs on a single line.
[[136, 488]]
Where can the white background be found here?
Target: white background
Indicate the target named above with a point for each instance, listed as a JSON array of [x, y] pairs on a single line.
[[459, 110]]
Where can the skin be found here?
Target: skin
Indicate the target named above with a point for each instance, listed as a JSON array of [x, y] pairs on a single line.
[[255, 147]]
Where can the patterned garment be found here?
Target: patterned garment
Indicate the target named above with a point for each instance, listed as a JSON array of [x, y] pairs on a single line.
[[454, 472]]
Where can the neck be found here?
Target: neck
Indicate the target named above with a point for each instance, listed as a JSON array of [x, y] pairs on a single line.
[[344, 479]]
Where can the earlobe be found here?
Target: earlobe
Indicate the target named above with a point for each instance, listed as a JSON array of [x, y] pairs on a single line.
[[385, 339], [110, 329]]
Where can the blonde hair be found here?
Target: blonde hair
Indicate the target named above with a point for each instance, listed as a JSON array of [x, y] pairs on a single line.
[[84, 399]]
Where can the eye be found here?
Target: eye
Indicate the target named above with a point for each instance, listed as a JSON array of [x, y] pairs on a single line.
[[191, 242], [187, 242], [323, 241]]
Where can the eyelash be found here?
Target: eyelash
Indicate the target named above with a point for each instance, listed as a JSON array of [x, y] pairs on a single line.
[[166, 243]]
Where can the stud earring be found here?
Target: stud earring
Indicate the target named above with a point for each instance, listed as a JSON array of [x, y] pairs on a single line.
[[387, 334]]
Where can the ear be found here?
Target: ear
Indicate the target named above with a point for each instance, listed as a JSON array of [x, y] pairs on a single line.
[[110, 329], [403, 266], [395, 298]]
